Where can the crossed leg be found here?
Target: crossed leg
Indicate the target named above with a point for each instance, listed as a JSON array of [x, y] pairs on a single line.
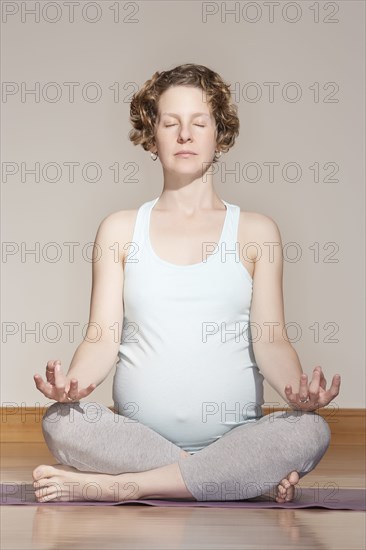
[[104, 456], [136, 462], [250, 460]]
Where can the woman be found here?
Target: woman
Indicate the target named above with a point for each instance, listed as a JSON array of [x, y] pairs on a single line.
[[188, 386]]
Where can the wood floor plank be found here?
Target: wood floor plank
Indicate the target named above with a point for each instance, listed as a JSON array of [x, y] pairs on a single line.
[[189, 528]]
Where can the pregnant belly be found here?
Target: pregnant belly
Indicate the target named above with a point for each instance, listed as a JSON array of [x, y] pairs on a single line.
[[191, 413]]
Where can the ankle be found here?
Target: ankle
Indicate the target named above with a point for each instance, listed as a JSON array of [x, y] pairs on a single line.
[[165, 482], [127, 487]]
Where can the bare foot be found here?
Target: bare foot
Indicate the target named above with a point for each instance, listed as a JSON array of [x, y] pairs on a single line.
[[286, 488], [59, 483]]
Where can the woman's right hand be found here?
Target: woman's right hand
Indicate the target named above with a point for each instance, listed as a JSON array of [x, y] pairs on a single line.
[[58, 386]]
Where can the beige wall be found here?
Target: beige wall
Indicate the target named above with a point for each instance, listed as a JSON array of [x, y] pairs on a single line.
[[324, 289]]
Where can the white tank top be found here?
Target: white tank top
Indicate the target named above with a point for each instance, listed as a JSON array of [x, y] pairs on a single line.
[[186, 366]]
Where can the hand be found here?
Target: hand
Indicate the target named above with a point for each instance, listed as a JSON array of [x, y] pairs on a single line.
[[316, 393], [58, 386]]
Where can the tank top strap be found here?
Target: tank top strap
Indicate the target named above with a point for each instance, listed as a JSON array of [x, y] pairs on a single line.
[[229, 236], [140, 233]]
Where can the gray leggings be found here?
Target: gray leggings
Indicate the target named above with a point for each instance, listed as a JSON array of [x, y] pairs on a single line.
[[248, 461]]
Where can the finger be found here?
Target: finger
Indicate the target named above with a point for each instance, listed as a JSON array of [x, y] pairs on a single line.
[[50, 375], [52, 363], [320, 372], [59, 382], [314, 385], [291, 397], [59, 376], [322, 382], [333, 391], [39, 381], [42, 386], [87, 391], [73, 391], [303, 391], [50, 370], [334, 388]]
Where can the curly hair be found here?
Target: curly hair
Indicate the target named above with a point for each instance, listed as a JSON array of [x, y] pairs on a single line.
[[144, 104]]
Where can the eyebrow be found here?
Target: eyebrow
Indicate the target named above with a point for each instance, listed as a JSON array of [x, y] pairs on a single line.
[[194, 114]]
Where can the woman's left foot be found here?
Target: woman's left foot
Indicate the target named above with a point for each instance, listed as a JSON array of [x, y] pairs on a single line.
[[286, 488], [64, 483]]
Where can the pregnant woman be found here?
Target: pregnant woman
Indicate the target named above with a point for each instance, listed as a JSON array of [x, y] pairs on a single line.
[[190, 304]]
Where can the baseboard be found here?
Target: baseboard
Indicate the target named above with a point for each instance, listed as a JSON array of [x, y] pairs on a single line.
[[24, 424]]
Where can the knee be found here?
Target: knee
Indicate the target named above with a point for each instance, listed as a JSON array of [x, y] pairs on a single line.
[[57, 415], [318, 430]]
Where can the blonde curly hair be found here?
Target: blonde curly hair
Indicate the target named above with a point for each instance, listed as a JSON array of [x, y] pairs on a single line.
[[144, 104]]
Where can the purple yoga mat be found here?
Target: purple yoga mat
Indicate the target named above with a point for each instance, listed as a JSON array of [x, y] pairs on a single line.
[[333, 498]]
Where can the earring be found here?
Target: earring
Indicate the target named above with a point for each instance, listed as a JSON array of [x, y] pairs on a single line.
[[217, 157], [154, 157]]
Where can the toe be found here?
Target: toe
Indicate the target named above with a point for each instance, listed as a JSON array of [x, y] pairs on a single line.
[[281, 491], [294, 477], [47, 492], [45, 471], [291, 492], [283, 486], [41, 493], [43, 482], [38, 472], [46, 498]]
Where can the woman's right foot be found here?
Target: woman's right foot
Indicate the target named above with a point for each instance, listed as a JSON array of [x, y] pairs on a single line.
[[286, 488], [65, 483]]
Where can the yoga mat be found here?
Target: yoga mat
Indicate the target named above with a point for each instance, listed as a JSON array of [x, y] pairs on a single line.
[[333, 498]]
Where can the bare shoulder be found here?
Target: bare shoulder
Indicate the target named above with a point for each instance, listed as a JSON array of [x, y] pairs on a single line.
[[258, 222], [257, 228], [121, 217], [119, 226]]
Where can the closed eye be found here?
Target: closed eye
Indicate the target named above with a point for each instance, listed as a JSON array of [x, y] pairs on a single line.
[[169, 125]]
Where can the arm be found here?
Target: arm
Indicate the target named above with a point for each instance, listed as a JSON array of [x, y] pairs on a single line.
[[275, 356], [91, 363], [96, 355], [280, 365]]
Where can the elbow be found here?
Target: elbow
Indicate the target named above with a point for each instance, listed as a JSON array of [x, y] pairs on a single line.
[[270, 345]]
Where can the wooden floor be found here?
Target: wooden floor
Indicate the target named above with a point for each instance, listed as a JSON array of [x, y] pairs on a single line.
[[159, 528]]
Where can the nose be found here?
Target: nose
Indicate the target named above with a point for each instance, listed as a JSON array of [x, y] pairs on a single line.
[[184, 133]]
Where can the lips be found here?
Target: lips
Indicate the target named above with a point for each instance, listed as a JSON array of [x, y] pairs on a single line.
[[186, 153]]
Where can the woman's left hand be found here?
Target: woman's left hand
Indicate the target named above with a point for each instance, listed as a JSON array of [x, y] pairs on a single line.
[[315, 395]]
